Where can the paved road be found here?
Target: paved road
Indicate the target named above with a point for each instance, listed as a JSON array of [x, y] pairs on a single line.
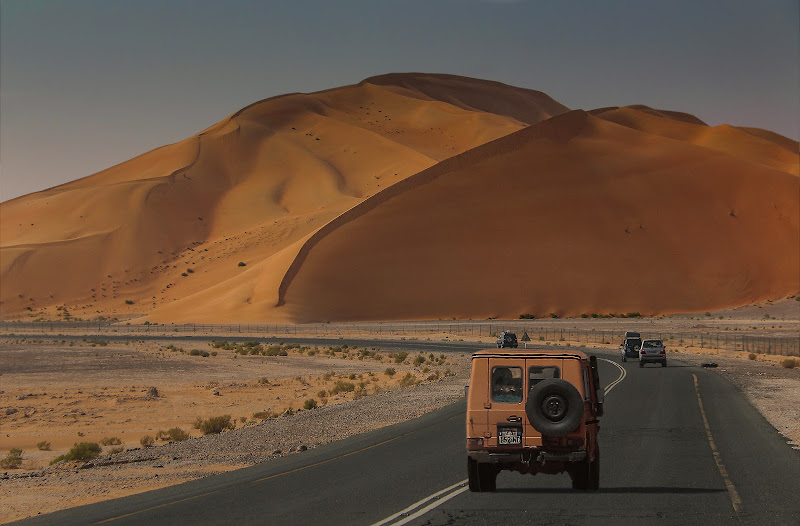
[[679, 446]]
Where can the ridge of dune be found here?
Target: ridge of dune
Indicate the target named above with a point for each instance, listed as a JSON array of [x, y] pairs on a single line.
[[649, 225], [767, 148], [525, 105], [559, 128]]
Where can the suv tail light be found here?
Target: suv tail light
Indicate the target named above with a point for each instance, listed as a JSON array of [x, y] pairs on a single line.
[[474, 444], [663, 351]]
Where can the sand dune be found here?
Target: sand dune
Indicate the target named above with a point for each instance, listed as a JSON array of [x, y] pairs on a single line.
[[243, 190], [573, 215], [326, 205]]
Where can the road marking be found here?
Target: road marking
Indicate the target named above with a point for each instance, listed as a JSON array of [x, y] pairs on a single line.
[[623, 374], [457, 489], [734, 495]]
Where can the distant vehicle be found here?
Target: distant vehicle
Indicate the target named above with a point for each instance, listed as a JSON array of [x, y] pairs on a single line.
[[653, 351], [630, 347], [507, 339]]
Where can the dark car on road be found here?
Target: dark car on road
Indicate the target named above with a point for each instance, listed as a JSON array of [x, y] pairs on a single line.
[[507, 339], [630, 347]]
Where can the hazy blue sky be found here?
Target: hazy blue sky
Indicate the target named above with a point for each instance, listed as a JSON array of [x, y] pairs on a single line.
[[86, 84]]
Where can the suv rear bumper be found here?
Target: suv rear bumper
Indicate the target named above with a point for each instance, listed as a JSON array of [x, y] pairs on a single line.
[[526, 456]]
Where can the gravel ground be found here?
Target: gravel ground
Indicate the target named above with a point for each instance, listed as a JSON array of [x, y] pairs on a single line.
[[773, 390]]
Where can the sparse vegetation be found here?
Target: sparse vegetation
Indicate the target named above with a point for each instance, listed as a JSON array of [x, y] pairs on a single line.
[[408, 380], [342, 387], [147, 441], [81, 451], [790, 363], [215, 424], [400, 357], [44, 445], [198, 352], [13, 460], [527, 316], [311, 403], [390, 371], [174, 434], [112, 441], [752, 356]]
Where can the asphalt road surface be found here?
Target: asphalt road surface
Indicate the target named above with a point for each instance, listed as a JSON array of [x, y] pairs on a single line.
[[679, 445]]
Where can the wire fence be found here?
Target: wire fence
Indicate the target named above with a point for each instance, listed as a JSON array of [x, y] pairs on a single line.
[[478, 331]]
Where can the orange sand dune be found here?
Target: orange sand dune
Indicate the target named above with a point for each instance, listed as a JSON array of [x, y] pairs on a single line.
[[177, 221], [573, 215], [750, 144], [414, 196]]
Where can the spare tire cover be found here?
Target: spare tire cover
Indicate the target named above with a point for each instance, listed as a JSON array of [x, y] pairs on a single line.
[[554, 407]]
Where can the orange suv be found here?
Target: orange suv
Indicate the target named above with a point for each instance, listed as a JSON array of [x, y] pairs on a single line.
[[533, 411]]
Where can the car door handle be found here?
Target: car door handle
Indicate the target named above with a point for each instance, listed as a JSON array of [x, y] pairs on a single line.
[[514, 419]]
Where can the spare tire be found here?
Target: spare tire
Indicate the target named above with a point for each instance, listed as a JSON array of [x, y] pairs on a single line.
[[554, 407]]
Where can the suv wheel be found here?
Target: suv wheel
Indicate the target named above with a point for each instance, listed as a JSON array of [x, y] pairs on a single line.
[[554, 407], [482, 477], [624, 358]]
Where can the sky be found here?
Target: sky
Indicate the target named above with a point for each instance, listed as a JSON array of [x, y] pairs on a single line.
[[87, 84]]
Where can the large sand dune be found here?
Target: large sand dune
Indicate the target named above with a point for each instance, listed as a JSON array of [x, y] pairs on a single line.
[[394, 198]]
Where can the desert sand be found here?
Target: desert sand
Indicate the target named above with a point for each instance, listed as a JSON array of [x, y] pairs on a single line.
[[437, 190]]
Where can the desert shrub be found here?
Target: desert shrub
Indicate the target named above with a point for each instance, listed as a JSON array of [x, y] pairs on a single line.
[[789, 363], [400, 357], [342, 387], [408, 380], [322, 394], [419, 360], [275, 350], [352, 376], [147, 441], [263, 415], [198, 352], [527, 316], [390, 371], [633, 315], [311, 403], [116, 450], [312, 352], [434, 376], [219, 344], [584, 315], [43, 445], [553, 315], [752, 356], [327, 376], [263, 380], [80, 451], [215, 424], [113, 441], [13, 460]]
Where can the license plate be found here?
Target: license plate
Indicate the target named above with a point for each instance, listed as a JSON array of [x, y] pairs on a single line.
[[509, 436]]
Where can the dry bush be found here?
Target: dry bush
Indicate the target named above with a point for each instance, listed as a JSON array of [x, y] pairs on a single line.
[[44, 445], [147, 441], [13, 460], [113, 441], [80, 451], [215, 424], [789, 363], [752, 356]]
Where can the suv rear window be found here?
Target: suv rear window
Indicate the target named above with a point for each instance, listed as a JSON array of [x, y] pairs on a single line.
[[507, 384], [649, 344], [537, 374]]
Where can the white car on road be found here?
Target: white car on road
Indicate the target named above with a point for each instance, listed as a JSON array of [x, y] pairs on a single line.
[[653, 351]]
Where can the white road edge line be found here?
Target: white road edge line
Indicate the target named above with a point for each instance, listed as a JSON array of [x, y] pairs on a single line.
[[426, 509], [616, 382], [424, 500]]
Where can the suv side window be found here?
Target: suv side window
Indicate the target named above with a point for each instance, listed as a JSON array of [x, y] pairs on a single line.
[[507, 384], [537, 374]]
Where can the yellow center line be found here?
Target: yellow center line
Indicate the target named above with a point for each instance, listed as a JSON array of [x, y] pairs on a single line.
[[734, 495], [228, 488]]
